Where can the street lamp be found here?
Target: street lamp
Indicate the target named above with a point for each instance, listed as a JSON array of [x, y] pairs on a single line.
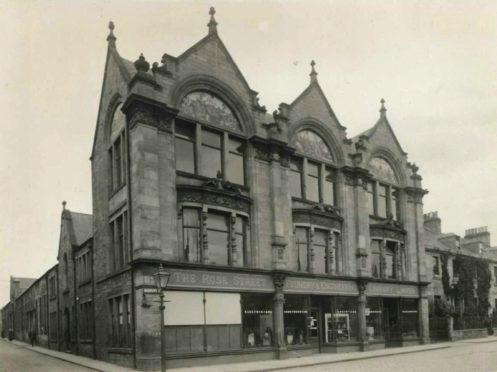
[[161, 279]]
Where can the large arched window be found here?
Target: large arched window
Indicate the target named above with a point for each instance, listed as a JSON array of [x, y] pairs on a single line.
[[209, 138], [311, 175], [383, 192], [117, 149]]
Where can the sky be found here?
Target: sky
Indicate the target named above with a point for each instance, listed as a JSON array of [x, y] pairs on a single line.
[[432, 61]]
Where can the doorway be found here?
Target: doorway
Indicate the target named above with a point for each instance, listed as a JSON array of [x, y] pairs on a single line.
[[391, 321]]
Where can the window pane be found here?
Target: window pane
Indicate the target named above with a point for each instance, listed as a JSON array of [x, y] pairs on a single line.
[[236, 146], [217, 221], [395, 204], [374, 321], [312, 188], [211, 138], [370, 198], [302, 241], [235, 171], [211, 162], [218, 247], [295, 178], [240, 240], [312, 169], [382, 201], [295, 311], [329, 188], [319, 259], [389, 261], [185, 155], [257, 320], [375, 259], [342, 323], [191, 244], [185, 130]]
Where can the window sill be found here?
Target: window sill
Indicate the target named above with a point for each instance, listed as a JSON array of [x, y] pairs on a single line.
[[116, 190]]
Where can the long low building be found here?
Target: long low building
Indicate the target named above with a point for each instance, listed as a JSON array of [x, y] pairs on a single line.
[[282, 235]]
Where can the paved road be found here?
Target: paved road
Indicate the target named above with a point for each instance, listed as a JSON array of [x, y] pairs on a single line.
[[15, 358], [465, 357]]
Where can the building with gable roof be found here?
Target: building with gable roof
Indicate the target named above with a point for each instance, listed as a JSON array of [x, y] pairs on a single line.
[[283, 236]]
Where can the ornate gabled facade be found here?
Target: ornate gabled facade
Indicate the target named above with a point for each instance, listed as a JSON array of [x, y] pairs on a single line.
[[311, 239], [283, 236]]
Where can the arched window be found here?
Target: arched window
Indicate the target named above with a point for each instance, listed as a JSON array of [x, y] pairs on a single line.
[[311, 176], [117, 149], [383, 192], [208, 139]]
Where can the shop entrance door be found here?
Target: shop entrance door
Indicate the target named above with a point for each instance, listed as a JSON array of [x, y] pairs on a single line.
[[391, 320], [314, 328]]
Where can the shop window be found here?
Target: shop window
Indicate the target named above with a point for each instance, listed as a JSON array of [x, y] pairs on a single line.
[[185, 147], [257, 320], [227, 238], [119, 255], [374, 319], [195, 324], [341, 322], [375, 259], [295, 316], [409, 317], [302, 242], [295, 178]]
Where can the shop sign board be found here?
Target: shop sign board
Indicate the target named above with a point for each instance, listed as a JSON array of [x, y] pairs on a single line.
[[392, 290], [320, 286], [203, 279]]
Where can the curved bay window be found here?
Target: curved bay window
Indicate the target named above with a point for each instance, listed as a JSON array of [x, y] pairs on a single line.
[[388, 259], [382, 194], [214, 237], [318, 250], [210, 142], [310, 177]]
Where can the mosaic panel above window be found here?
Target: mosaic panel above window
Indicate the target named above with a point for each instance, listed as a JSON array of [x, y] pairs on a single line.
[[382, 170], [309, 143], [206, 107]]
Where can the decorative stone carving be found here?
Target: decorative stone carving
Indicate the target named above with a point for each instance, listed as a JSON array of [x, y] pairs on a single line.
[[219, 184], [207, 107], [224, 198], [310, 143], [279, 281], [146, 111], [382, 170], [327, 209], [316, 217]]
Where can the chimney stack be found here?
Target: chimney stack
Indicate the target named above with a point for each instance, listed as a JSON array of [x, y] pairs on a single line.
[[433, 222]]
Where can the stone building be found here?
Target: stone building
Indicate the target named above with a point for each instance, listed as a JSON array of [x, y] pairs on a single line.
[[446, 252], [283, 235]]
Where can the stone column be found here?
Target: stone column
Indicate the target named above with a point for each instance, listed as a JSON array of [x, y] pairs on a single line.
[[278, 322], [361, 314], [423, 315]]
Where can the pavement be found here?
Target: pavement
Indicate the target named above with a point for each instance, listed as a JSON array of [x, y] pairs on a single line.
[[307, 362]]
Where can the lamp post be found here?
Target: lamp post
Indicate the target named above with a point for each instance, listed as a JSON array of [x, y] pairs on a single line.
[[161, 279]]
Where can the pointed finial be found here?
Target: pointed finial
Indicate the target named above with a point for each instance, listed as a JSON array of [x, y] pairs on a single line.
[[64, 205], [383, 110], [141, 64], [212, 23], [313, 73], [111, 38]]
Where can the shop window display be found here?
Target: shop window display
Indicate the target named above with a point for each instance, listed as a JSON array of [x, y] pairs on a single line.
[[295, 313], [341, 321], [374, 319], [257, 320], [409, 317]]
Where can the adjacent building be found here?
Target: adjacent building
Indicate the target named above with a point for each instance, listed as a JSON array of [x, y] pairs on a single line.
[[283, 235]]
